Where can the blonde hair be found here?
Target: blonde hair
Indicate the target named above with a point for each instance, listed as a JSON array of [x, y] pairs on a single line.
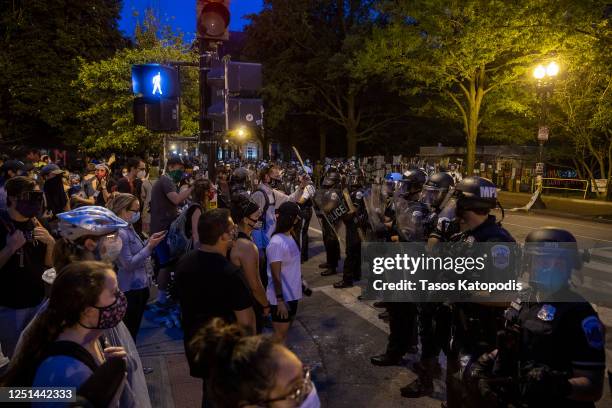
[[120, 202]]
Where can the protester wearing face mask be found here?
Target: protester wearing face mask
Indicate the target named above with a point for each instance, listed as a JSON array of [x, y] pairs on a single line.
[[245, 255], [134, 260], [55, 195], [165, 200], [145, 199], [27, 250], [91, 233], [251, 371], [268, 197], [284, 269], [201, 200], [101, 186], [8, 170], [131, 183], [209, 285], [63, 346]]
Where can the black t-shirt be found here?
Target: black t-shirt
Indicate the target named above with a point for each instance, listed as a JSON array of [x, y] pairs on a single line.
[[208, 286], [21, 284]]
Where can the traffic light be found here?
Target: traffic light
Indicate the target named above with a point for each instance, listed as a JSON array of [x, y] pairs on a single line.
[[213, 19], [154, 82], [157, 90]]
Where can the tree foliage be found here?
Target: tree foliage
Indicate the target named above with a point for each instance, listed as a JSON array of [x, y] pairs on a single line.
[[474, 54], [41, 45], [105, 88], [307, 49]]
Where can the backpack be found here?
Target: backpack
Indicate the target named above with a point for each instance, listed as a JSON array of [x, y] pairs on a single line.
[[260, 236], [178, 241]]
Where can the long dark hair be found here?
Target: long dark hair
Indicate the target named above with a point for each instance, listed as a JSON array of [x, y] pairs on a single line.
[[284, 223], [239, 369], [77, 287]]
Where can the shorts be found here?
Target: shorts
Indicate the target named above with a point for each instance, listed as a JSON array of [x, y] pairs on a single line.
[[292, 307]]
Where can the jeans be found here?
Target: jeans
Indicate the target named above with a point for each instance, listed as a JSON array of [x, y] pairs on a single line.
[[12, 323]]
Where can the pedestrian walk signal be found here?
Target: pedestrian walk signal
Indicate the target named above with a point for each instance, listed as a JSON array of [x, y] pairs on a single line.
[[154, 81]]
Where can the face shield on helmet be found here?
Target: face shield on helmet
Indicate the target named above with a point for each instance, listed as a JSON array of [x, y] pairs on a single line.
[[433, 196], [388, 188], [549, 265], [108, 248]]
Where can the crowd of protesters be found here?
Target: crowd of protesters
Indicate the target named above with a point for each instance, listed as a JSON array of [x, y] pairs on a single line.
[[83, 247]]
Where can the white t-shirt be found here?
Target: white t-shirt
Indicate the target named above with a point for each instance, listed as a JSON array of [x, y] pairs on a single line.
[[282, 248], [309, 192]]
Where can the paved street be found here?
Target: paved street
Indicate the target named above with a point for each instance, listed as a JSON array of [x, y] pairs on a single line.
[[336, 335]]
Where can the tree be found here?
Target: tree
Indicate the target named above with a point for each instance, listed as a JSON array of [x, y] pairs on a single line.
[[582, 103], [307, 49], [41, 43], [105, 90], [470, 52]]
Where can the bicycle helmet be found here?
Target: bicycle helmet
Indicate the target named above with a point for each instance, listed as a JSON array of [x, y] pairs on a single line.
[[89, 221]]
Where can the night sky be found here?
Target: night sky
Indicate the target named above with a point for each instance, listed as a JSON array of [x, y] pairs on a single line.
[[180, 14]]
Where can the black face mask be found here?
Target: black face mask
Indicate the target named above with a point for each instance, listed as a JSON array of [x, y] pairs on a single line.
[[275, 183]]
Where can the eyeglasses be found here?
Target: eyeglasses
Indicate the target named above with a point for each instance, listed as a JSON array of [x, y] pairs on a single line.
[[33, 195], [299, 394]]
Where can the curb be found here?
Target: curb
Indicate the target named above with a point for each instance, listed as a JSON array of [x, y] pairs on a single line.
[[599, 220]]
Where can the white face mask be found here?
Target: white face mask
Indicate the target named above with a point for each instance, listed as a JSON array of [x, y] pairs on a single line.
[[124, 173], [141, 174], [109, 248]]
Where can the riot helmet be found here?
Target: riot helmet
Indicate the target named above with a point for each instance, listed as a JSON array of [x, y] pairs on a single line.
[[332, 179], [411, 182], [475, 193], [436, 188], [550, 254], [355, 180]]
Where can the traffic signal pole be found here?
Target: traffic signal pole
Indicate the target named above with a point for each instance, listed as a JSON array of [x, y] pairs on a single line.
[[206, 134]]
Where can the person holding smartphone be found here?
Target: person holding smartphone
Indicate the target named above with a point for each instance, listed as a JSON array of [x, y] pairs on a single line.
[[133, 262]]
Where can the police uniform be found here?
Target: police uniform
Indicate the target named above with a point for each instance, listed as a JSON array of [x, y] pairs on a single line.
[[562, 336], [403, 328]]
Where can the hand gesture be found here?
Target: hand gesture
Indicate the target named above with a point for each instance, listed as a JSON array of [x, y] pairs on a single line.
[[42, 234], [15, 240], [155, 239]]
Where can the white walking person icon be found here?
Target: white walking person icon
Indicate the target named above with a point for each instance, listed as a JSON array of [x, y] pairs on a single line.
[[157, 84]]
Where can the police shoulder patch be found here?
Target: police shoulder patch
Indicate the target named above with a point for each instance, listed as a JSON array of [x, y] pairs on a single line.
[[594, 332], [500, 255]]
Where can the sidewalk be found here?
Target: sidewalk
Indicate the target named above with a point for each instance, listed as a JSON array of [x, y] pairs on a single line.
[[591, 210], [334, 334]]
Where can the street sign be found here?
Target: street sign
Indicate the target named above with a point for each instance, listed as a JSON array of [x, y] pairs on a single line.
[[543, 132]]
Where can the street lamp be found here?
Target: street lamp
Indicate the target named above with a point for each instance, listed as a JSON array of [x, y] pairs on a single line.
[[544, 75], [241, 132]]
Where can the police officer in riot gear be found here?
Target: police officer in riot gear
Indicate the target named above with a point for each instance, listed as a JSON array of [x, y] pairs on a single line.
[[553, 345], [403, 315], [352, 264], [434, 317], [330, 191], [435, 190], [474, 326]]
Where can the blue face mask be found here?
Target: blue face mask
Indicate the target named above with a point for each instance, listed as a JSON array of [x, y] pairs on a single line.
[[549, 279]]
